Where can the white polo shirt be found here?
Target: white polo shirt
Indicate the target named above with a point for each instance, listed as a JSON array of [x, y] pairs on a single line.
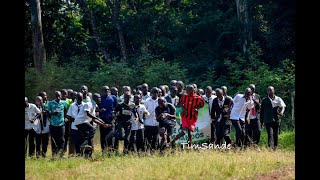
[[277, 101], [79, 112], [151, 105], [37, 124], [135, 124], [29, 113], [240, 105]]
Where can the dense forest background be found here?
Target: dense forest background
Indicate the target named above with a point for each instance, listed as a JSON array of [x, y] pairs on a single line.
[[117, 42]]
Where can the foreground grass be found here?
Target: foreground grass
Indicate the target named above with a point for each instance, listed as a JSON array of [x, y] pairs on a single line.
[[185, 165], [205, 164]]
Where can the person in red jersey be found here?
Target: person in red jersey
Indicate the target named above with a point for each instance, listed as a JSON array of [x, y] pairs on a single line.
[[190, 103]]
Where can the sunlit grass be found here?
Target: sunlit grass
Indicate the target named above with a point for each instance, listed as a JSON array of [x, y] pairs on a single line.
[[203, 164]]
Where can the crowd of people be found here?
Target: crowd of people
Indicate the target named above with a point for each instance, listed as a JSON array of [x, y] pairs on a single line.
[[140, 116]]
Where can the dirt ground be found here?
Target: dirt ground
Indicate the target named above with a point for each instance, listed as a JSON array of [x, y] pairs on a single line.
[[281, 174]]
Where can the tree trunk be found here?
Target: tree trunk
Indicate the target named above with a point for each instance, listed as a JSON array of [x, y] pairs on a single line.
[[96, 35], [115, 9], [245, 24], [39, 52]]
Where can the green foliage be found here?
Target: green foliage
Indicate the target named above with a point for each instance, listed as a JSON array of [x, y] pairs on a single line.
[[196, 41], [54, 77], [116, 74], [161, 72]]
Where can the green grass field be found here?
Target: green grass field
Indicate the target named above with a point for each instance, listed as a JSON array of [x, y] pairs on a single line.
[[201, 164]]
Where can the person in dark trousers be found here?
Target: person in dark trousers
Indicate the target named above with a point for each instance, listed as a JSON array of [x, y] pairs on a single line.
[[64, 97], [166, 116], [137, 126], [190, 103], [57, 112], [42, 129], [151, 125], [82, 114], [272, 109], [124, 114], [241, 102], [72, 128], [208, 98], [254, 126], [106, 110], [221, 107], [31, 112]]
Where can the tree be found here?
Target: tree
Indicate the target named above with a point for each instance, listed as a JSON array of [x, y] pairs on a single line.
[[114, 9], [95, 33], [245, 24], [39, 52]]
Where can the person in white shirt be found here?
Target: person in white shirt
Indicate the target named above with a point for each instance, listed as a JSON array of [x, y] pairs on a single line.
[[151, 125], [145, 92], [31, 111], [41, 127], [208, 98], [272, 109], [253, 131], [241, 102], [82, 114], [137, 128]]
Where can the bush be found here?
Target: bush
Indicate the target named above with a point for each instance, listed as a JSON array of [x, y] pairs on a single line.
[[161, 72], [54, 77]]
